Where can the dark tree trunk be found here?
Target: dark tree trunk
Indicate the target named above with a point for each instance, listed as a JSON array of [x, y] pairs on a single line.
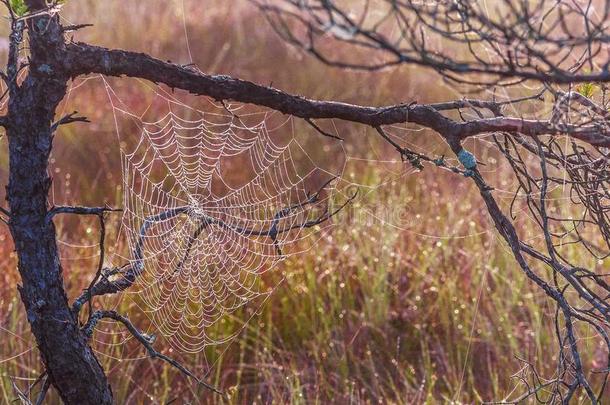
[[70, 363]]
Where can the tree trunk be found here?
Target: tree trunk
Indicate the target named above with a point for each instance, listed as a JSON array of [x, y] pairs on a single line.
[[70, 363]]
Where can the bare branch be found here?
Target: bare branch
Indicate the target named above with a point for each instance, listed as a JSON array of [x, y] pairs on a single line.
[[464, 41], [80, 210], [76, 27], [128, 274], [43, 391], [321, 131], [146, 341], [84, 59], [68, 119]]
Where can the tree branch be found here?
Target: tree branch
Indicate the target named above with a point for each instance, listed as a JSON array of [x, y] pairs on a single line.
[[75, 27], [145, 340], [130, 272], [66, 209], [82, 59], [449, 37], [68, 119]]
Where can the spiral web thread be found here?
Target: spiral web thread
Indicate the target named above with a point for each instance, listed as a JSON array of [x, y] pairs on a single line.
[[200, 242]]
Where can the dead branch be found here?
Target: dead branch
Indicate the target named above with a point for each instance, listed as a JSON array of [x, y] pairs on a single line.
[[107, 282], [144, 339]]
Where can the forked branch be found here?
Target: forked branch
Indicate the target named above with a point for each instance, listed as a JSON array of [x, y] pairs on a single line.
[[112, 281]]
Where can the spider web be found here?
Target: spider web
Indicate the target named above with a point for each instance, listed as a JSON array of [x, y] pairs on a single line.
[[213, 199]]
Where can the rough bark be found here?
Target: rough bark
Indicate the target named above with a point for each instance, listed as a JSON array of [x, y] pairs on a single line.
[[70, 363], [82, 59]]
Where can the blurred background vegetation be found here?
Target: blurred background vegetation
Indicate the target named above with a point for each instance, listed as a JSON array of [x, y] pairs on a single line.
[[428, 307]]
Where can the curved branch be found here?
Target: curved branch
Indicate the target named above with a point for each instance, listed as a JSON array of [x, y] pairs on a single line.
[[145, 340], [82, 59]]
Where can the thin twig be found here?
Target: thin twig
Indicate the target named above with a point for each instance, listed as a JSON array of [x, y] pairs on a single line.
[[321, 131]]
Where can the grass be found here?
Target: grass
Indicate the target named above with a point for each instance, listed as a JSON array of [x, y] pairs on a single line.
[[426, 306]]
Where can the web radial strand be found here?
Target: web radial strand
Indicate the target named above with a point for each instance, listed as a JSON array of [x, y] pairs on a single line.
[[201, 193]]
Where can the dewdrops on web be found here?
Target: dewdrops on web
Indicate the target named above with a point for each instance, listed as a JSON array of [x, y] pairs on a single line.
[[196, 231]]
